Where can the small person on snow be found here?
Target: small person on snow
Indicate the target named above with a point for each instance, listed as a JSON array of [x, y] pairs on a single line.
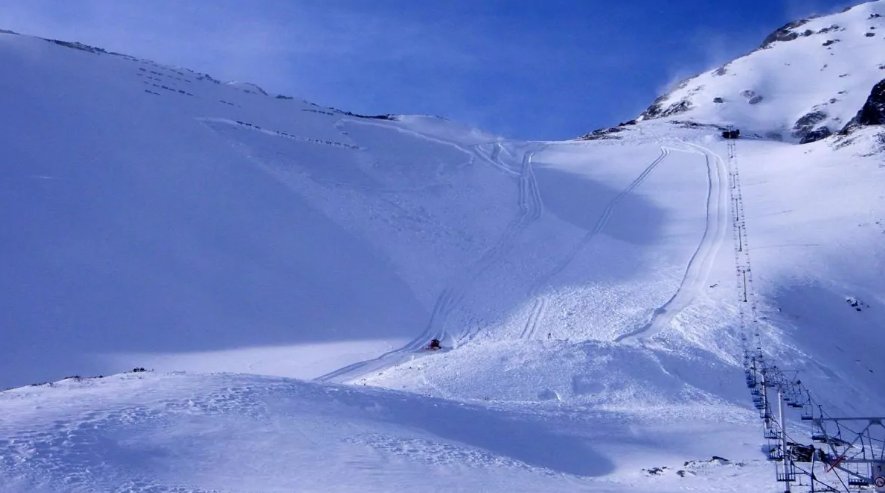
[[434, 345]]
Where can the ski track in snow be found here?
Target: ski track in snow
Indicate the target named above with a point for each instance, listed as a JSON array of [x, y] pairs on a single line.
[[530, 210], [154, 435], [536, 291], [701, 262], [539, 307], [276, 133]]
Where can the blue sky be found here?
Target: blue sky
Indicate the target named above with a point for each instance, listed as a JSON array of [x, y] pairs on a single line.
[[527, 69]]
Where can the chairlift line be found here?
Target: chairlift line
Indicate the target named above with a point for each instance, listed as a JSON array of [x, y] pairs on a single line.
[[856, 455]]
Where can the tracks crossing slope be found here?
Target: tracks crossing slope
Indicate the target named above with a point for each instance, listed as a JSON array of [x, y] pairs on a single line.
[[701, 261], [530, 209], [536, 292]]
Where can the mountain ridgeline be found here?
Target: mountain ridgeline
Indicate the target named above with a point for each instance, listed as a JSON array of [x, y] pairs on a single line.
[[809, 79]]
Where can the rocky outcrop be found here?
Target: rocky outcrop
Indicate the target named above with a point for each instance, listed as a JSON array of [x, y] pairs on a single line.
[[602, 134], [783, 33], [872, 112], [787, 33], [79, 46], [752, 97], [657, 110], [805, 125], [607, 133], [816, 135], [753, 89]]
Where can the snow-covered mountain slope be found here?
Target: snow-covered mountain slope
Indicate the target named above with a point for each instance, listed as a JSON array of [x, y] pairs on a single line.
[[585, 291], [808, 75], [812, 257], [150, 209]]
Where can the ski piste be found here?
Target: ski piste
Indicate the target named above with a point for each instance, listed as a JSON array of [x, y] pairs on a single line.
[[281, 269]]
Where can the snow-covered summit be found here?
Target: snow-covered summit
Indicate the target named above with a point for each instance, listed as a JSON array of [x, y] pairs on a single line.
[[807, 80]]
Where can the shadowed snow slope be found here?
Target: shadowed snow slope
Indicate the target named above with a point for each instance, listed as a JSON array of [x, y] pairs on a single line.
[[584, 291], [149, 209]]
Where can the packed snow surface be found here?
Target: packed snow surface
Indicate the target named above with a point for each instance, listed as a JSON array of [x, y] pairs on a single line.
[[279, 267]]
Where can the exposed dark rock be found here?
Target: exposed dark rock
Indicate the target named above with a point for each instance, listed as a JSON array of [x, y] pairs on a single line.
[[602, 134], [816, 135], [872, 112], [607, 133], [874, 16], [79, 46], [834, 27], [656, 110], [784, 33], [718, 100], [207, 77], [755, 99], [870, 35], [807, 122], [371, 117], [831, 42], [256, 90], [720, 71], [6, 31], [691, 124], [856, 303], [283, 96], [747, 93], [676, 108]]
